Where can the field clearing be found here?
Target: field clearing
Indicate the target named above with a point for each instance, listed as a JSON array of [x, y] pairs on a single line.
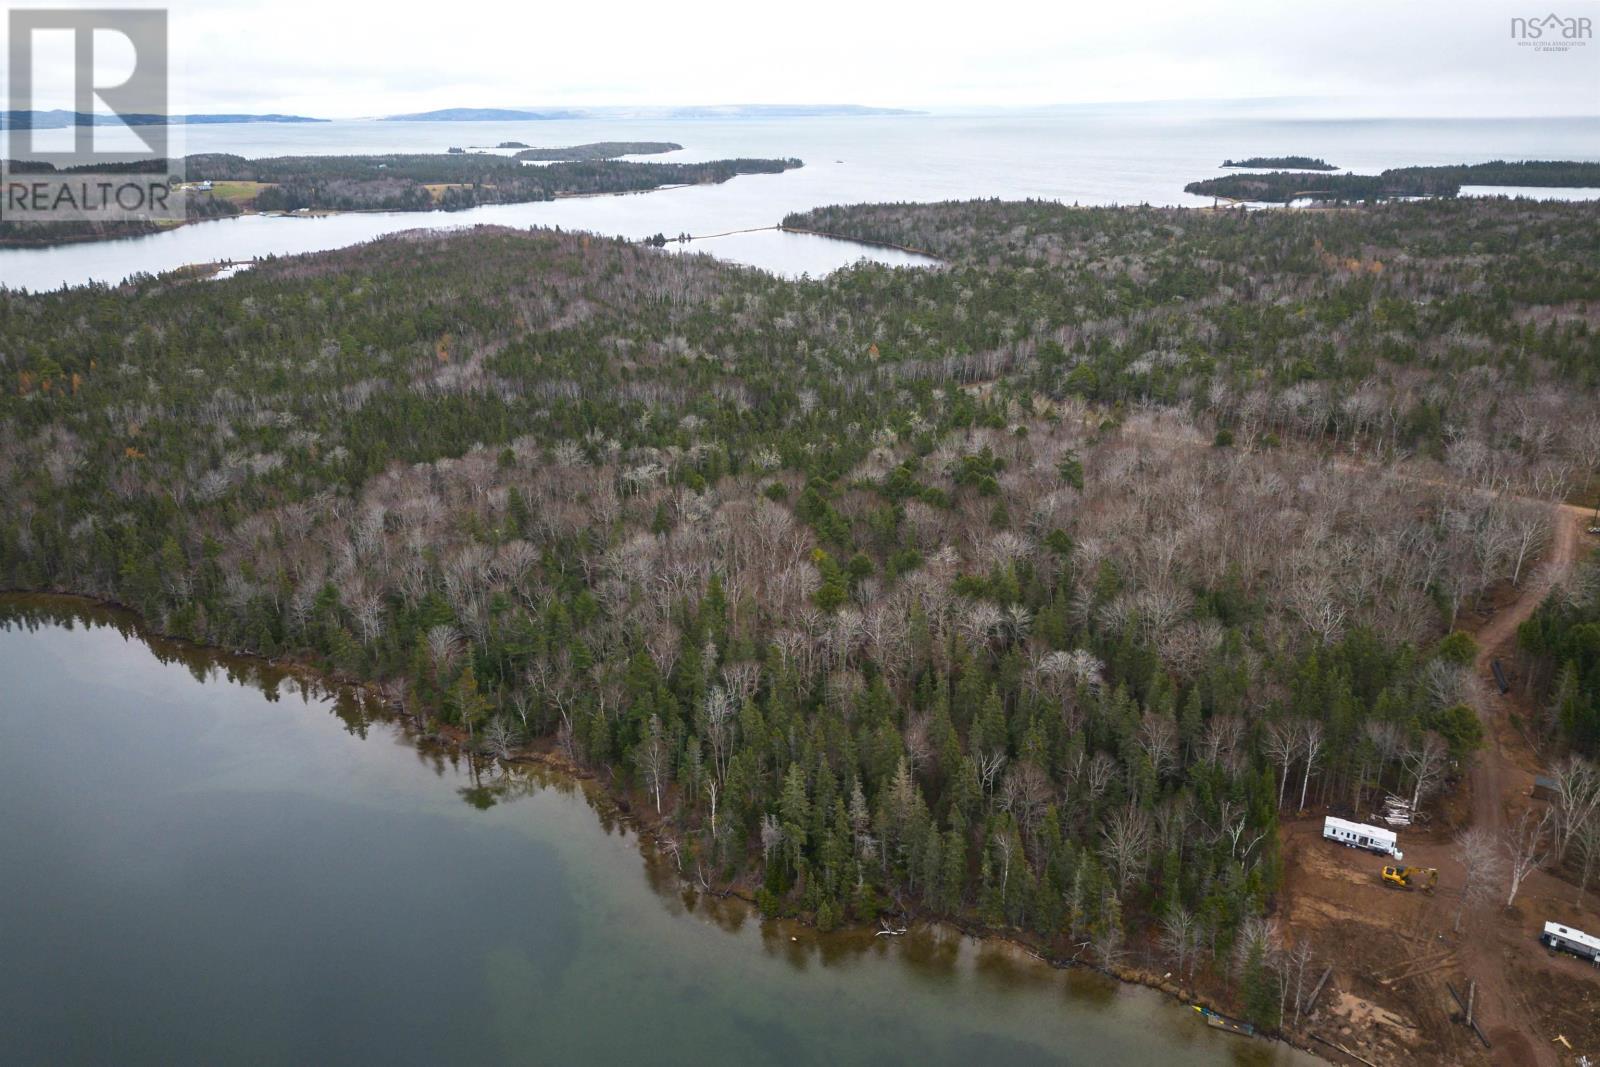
[[238, 192]]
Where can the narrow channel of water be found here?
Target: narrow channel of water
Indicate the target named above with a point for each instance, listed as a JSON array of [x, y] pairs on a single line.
[[203, 859], [246, 237]]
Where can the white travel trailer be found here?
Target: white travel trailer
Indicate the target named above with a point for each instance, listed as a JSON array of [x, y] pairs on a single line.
[[1576, 942], [1360, 835]]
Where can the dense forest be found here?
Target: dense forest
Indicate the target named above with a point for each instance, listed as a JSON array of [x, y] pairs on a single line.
[[1565, 639], [1027, 589], [600, 150], [1280, 187], [1296, 162]]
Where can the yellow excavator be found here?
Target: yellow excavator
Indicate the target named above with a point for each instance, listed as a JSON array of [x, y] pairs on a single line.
[[1423, 878]]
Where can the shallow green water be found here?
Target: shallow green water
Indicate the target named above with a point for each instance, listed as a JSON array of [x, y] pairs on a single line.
[[201, 861]]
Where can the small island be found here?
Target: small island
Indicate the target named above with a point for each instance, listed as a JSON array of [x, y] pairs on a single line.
[[597, 150], [1280, 163]]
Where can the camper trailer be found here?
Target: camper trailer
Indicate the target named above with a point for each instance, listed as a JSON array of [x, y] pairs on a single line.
[[1566, 939], [1360, 835]]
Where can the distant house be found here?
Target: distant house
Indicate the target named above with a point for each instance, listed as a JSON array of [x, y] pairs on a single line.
[[1544, 788]]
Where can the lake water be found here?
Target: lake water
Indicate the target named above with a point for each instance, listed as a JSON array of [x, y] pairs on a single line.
[[203, 861], [1082, 156]]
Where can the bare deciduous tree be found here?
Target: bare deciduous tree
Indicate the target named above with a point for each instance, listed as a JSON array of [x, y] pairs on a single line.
[[1480, 859], [1425, 759], [1530, 529], [1577, 798], [1525, 847], [498, 738], [712, 788], [1101, 770], [1311, 742], [655, 760], [444, 644], [1006, 846], [1219, 742], [918, 744], [1026, 793], [1158, 739], [1282, 743], [717, 724], [1180, 935], [989, 765], [771, 836], [1386, 740], [1126, 847], [1257, 935], [1313, 600], [1298, 959]]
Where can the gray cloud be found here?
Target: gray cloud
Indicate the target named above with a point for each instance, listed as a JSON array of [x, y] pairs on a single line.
[[359, 57]]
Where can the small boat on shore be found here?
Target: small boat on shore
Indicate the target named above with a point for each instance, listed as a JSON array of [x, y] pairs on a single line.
[[1222, 1022]]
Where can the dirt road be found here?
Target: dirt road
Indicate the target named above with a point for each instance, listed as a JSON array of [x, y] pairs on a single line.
[[1496, 638], [1499, 779]]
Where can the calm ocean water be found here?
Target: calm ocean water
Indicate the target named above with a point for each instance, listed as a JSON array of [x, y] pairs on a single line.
[[1075, 157]]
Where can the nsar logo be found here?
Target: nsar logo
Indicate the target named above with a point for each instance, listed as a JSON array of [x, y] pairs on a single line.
[[1552, 33]]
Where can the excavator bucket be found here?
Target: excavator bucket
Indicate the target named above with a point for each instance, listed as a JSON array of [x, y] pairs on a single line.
[[1423, 878]]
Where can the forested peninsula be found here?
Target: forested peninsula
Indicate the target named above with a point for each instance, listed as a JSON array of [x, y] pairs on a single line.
[[1027, 590], [1281, 187], [221, 185]]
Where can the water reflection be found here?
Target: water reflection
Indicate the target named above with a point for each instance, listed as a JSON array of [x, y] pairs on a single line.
[[210, 872]]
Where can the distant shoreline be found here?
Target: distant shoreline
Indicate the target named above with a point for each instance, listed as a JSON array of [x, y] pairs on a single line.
[[59, 119]]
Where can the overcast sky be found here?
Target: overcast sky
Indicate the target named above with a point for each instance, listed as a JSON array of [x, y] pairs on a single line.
[[339, 58]]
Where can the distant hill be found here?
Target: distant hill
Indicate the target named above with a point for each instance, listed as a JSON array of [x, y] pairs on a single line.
[[712, 111], [482, 114], [59, 119], [769, 111]]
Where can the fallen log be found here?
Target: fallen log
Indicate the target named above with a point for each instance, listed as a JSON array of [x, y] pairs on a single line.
[[1466, 1016], [1316, 991], [1417, 967], [1341, 1048]]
